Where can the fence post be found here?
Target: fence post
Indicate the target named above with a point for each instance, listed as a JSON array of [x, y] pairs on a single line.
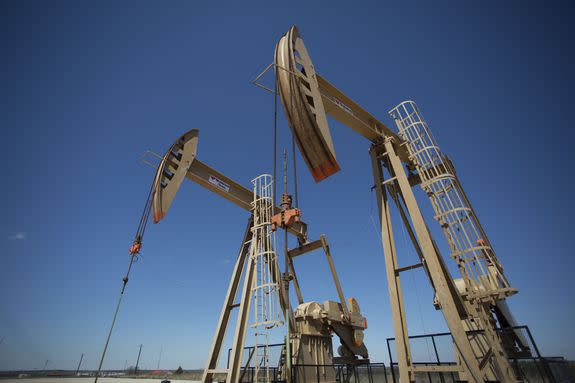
[[542, 360], [390, 359]]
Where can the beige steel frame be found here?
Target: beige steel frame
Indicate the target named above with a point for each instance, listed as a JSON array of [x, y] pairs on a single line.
[[245, 266], [397, 187], [306, 97], [266, 284], [233, 372], [180, 162], [389, 152], [483, 282]]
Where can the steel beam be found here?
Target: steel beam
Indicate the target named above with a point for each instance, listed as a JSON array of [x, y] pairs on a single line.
[[229, 304], [336, 282], [242, 324], [232, 191], [393, 279], [445, 298], [305, 248]]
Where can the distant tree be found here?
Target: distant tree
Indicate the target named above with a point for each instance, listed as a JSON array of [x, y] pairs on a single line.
[[179, 371], [131, 370]]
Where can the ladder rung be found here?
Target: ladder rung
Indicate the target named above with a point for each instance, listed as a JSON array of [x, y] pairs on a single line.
[[435, 368], [217, 371], [388, 181], [486, 359], [233, 306], [402, 269]]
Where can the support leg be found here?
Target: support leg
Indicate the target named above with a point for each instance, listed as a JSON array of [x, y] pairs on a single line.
[[325, 246], [295, 281], [227, 307], [446, 300], [393, 282], [242, 324]]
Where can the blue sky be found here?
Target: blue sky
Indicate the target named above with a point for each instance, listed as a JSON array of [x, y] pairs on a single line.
[[88, 87]]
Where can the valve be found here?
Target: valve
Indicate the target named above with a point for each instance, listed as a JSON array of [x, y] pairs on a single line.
[[287, 216], [136, 247]]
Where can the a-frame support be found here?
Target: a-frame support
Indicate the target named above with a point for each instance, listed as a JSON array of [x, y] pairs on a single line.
[[244, 262], [235, 361], [393, 281], [447, 297]]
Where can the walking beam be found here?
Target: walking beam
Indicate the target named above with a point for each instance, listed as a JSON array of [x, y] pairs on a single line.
[[180, 162]]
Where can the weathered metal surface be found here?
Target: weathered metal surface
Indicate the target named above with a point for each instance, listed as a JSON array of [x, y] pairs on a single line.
[[172, 171], [307, 98], [299, 92]]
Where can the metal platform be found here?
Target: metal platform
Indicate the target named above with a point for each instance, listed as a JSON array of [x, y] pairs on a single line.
[[529, 367]]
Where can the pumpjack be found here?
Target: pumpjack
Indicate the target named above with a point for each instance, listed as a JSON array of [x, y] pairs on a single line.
[[313, 323], [473, 304]]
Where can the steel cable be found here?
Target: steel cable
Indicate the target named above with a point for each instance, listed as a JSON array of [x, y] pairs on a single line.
[[134, 250]]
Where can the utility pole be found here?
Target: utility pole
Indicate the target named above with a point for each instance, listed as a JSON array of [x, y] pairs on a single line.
[[138, 361], [45, 364], [79, 364], [160, 358]]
